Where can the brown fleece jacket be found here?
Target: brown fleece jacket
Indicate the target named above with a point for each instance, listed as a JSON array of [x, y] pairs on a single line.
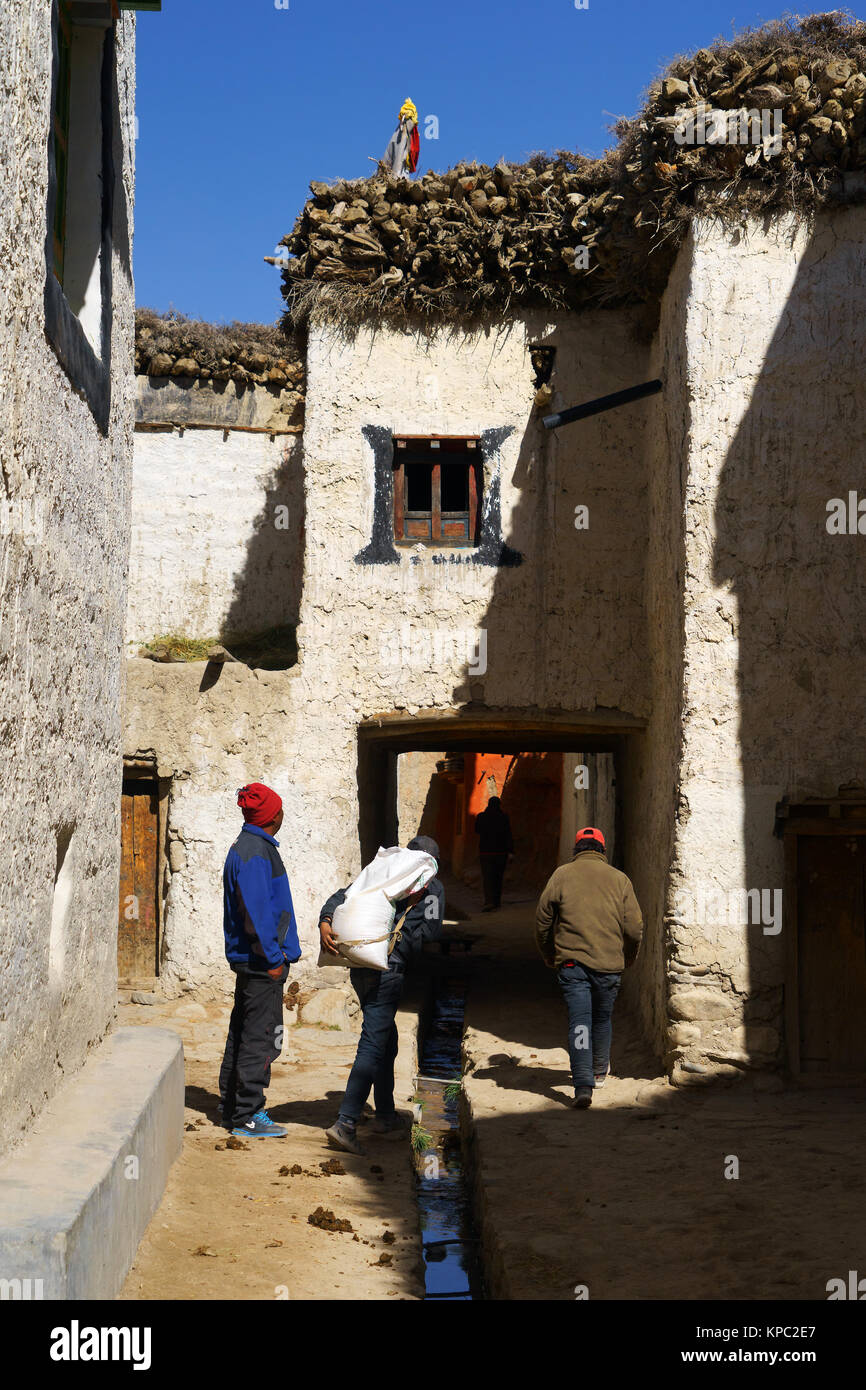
[[589, 913]]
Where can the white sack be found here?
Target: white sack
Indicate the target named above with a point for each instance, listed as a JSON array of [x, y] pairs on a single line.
[[363, 923]]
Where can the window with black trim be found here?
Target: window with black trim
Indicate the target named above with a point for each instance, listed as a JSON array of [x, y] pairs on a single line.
[[437, 490]]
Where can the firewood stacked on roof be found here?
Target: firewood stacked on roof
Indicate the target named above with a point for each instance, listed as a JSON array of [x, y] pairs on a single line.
[[247, 353], [487, 238]]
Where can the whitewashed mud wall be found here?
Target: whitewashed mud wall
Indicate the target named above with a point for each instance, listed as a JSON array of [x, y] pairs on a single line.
[[244, 728], [650, 766], [706, 597], [206, 552], [773, 654], [563, 630], [64, 490]]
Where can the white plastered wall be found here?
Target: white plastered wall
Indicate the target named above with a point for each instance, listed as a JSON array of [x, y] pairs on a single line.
[[563, 629], [64, 489]]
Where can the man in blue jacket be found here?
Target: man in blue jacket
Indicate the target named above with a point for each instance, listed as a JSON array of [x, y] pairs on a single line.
[[423, 918], [261, 943]]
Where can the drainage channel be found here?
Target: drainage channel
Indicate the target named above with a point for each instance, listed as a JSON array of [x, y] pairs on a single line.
[[452, 1263]]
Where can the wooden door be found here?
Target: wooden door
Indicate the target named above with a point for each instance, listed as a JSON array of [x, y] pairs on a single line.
[[138, 919], [831, 952]]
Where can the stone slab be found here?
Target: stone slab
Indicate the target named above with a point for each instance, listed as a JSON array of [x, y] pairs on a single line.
[[73, 1204]]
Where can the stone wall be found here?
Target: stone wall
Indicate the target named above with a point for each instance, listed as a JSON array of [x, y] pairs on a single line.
[[64, 490]]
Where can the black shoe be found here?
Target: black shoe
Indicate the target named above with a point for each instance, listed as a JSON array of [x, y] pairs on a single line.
[[341, 1137]]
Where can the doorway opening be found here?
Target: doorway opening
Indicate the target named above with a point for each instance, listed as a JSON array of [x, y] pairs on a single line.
[[825, 925], [546, 795], [433, 776]]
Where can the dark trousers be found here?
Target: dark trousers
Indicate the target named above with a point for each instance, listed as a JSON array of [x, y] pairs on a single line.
[[589, 997], [254, 1040], [492, 874], [379, 995]]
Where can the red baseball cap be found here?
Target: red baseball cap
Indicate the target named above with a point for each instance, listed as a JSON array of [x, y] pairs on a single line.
[[589, 832]]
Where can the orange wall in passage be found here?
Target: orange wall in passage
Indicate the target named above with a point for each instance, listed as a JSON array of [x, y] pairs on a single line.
[[530, 786]]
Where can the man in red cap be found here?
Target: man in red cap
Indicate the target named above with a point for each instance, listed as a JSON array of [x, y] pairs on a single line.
[[261, 942], [588, 928]]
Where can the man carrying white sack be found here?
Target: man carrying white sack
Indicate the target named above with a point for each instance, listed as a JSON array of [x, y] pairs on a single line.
[[379, 992]]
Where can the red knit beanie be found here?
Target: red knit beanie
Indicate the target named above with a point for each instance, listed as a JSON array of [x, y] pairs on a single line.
[[259, 804]]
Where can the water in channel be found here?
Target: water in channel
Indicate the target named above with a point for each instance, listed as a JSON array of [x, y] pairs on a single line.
[[452, 1269]]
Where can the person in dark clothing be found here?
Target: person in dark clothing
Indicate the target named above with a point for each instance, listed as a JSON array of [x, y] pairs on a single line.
[[379, 996], [261, 939], [495, 844]]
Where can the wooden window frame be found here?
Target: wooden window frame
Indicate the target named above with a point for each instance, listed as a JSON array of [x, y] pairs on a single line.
[[410, 449]]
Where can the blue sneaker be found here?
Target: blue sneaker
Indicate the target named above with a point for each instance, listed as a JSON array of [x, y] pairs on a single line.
[[261, 1126]]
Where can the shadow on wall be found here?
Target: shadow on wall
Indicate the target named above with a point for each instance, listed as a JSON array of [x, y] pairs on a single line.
[[261, 622], [566, 619], [437, 818], [565, 630], [799, 590]]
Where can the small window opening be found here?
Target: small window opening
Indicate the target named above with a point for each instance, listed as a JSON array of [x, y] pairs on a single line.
[[437, 490], [76, 126]]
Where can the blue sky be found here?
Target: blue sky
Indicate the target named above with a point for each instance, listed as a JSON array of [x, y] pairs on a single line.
[[241, 103]]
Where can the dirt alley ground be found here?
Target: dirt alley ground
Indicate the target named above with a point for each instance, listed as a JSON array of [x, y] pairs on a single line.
[[628, 1199], [231, 1225]]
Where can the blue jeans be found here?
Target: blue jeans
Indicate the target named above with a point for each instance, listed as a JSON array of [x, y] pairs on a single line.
[[589, 997], [379, 995]]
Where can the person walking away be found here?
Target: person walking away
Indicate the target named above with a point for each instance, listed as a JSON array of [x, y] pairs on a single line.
[[495, 844], [379, 992], [261, 939], [588, 927]]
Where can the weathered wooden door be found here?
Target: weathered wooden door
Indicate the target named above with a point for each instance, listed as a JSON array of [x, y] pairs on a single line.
[[138, 918], [831, 952]]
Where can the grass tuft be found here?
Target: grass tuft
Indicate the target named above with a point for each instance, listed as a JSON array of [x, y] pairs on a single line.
[[422, 1139]]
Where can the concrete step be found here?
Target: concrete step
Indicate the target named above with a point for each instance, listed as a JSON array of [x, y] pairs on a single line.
[[76, 1197]]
